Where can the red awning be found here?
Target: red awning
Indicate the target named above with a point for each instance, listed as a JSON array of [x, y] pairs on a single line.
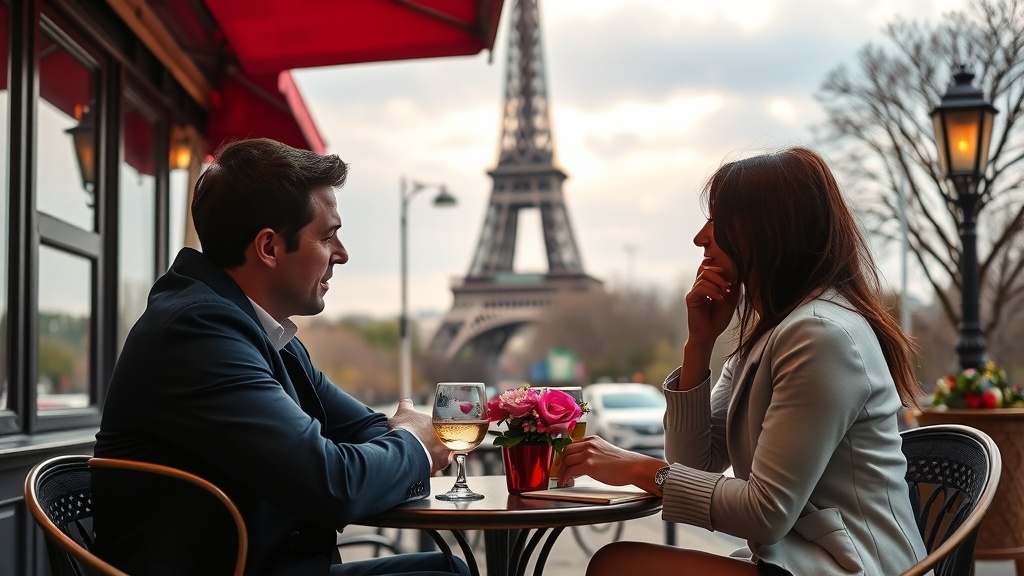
[[264, 106], [269, 36]]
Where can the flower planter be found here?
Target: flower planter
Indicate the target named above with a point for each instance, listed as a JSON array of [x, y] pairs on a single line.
[[526, 467], [1001, 535]]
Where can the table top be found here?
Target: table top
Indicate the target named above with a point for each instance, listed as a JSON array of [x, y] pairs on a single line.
[[499, 510]]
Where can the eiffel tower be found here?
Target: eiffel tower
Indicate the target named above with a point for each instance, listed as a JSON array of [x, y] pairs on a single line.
[[493, 301]]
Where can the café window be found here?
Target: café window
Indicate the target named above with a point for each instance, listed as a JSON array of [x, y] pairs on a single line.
[[65, 329], [178, 212], [67, 113], [186, 165], [68, 201], [137, 203]]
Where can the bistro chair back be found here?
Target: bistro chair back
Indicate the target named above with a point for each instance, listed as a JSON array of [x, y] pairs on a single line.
[[58, 494], [952, 472]]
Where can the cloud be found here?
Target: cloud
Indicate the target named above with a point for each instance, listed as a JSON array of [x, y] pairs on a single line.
[[648, 97]]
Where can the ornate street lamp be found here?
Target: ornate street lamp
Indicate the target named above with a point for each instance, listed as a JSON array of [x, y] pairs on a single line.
[[443, 199], [963, 130]]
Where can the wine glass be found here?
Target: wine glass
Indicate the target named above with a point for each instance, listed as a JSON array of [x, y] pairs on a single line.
[[460, 422]]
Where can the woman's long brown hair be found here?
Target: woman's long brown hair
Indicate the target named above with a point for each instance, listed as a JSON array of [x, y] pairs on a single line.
[[782, 219]]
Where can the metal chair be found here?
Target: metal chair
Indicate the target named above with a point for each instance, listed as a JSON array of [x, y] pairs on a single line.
[[952, 473], [58, 493]]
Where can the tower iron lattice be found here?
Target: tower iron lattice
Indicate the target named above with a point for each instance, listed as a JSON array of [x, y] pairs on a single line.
[[493, 301]]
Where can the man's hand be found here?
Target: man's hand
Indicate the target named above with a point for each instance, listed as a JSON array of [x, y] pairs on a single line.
[[407, 418]]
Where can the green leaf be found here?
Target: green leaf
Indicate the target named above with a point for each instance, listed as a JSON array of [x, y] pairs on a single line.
[[508, 442], [559, 444]]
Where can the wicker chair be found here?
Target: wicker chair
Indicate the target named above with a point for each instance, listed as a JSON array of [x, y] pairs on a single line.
[[58, 493], [952, 472]]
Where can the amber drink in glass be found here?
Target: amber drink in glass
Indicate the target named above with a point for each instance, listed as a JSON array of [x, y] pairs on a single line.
[[460, 422]]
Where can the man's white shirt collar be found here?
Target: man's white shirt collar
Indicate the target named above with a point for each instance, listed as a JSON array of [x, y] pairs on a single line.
[[280, 333]]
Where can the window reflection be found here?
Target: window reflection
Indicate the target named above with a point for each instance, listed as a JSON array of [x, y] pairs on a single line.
[[4, 190], [66, 128], [136, 216], [65, 320]]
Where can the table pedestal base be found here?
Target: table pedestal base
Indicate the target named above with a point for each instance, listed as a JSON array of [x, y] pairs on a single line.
[[509, 551]]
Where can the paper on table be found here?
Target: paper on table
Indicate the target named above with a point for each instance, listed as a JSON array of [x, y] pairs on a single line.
[[592, 492]]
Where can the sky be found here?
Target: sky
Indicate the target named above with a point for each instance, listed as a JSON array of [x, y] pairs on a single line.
[[647, 97]]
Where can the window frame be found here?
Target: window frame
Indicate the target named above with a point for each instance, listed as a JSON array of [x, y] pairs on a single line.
[[47, 230], [10, 420], [161, 165]]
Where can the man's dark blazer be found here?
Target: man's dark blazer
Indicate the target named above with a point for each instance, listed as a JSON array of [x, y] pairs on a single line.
[[200, 386]]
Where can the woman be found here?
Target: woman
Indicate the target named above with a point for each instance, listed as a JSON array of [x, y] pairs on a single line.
[[806, 408]]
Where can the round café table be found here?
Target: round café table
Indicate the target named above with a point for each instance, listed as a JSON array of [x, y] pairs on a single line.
[[506, 520]]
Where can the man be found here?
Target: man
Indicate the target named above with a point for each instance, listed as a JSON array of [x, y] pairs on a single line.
[[211, 380]]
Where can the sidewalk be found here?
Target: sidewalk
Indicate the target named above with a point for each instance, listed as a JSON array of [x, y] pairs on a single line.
[[569, 559]]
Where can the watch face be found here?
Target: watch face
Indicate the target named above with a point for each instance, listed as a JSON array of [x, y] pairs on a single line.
[[660, 476]]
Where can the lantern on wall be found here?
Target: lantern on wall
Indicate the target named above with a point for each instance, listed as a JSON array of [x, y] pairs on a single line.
[[83, 137], [181, 149]]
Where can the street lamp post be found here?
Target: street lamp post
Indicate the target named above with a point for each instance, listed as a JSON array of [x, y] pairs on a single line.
[[443, 199], [963, 130]]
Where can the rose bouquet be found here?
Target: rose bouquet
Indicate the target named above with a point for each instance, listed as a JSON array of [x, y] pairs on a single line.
[[535, 417], [984, 388]]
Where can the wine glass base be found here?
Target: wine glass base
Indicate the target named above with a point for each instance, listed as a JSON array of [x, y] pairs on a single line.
[[459, 493]]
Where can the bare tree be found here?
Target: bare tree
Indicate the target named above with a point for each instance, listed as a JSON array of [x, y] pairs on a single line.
[[879, 123]]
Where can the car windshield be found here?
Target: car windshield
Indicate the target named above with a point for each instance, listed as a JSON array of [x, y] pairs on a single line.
[[627, 400]]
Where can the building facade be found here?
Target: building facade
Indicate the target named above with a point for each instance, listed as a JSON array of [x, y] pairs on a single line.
[[107, 110]]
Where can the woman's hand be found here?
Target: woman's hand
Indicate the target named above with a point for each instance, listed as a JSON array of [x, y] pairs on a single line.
[[595, 457], [710, 304]]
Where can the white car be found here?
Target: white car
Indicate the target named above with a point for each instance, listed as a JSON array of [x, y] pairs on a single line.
[[628, 415]]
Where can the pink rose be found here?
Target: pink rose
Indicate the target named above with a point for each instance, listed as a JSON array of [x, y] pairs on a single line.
[[495, 411], [557, 413], [517, 402]]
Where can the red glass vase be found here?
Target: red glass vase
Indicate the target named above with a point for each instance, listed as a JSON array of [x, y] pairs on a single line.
[[526, 467]]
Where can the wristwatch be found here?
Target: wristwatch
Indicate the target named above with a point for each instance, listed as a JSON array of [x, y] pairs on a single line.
[[659, 478]]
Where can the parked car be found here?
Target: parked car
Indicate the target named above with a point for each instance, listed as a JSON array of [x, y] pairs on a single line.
[[627, 415]]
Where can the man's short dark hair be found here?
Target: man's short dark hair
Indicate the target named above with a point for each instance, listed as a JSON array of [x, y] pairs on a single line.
[[256, 184]]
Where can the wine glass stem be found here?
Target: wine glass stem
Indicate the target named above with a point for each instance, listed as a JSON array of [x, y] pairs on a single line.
[[460, 461]]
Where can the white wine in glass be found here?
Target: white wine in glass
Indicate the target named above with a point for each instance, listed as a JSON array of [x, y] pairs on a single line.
[[460, 422]]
